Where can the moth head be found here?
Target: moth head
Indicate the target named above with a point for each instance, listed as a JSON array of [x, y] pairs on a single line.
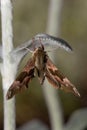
[[39, 51]]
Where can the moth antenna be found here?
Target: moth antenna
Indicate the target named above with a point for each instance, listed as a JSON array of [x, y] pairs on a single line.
[[41, 43], [42, 46], [29, 50]]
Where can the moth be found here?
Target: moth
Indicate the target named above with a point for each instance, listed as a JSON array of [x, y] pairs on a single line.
[[41, 66]]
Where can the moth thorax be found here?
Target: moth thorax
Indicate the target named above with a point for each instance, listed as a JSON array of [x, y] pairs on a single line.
[[39, 61]]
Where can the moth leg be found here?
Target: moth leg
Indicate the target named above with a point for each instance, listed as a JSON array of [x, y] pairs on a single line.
[[42, 80]]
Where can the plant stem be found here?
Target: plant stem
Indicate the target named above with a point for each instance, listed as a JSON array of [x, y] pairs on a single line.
[[8, 69], [51, 96]]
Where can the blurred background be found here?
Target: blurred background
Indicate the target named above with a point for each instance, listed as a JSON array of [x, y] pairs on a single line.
[[30, 18]]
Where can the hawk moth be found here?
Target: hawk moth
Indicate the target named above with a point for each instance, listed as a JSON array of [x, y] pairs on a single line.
[[41, 66]]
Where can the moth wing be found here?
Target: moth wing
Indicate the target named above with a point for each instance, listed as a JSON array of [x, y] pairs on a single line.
[[22, 80], [58, 80]]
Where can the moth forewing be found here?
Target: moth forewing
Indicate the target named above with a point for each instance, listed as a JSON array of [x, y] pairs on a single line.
[[56, 78], [22, 80], [69, 87], [52, 80]]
